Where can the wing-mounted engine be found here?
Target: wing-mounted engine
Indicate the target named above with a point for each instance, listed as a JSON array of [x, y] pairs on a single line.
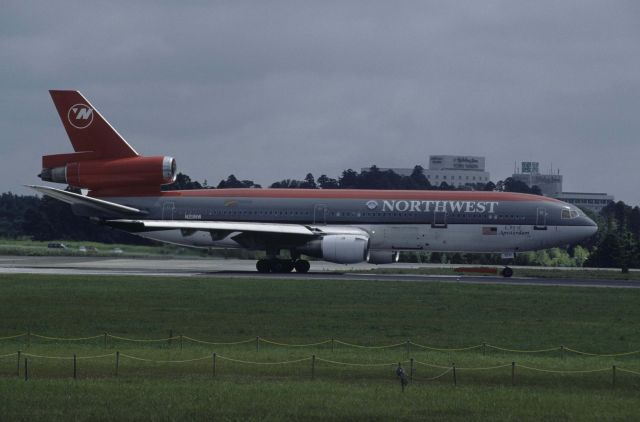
[[338, 248]]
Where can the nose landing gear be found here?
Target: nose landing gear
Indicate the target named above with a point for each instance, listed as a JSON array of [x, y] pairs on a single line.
[[507, 257]]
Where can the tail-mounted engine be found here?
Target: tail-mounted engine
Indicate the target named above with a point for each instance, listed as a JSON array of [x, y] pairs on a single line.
[[96, 175]]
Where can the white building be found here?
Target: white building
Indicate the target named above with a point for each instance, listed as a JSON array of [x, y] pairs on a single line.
[[455, 170], [549, 184]]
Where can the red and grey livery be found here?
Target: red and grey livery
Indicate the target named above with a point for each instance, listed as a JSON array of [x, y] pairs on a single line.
[[343, 226]]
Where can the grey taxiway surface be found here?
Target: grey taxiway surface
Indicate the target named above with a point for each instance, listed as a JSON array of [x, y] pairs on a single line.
[[235, 268]]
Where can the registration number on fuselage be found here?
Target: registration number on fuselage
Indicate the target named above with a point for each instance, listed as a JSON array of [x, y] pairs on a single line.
[[514, 231]]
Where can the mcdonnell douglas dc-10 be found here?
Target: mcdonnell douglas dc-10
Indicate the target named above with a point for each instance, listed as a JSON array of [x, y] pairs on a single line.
[[340, 226]]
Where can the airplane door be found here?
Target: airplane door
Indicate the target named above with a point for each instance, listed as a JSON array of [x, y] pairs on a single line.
[[541, 219], [320, 214], [167, 210], [439, 220]]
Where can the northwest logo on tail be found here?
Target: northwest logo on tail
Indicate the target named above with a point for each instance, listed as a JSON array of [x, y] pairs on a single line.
[[80, 116]]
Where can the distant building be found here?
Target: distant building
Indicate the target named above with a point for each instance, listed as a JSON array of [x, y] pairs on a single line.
[[551, 185], [455, 170], [592, 201]]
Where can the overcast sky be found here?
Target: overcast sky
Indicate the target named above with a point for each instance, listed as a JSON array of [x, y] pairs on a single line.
[[269, 90]]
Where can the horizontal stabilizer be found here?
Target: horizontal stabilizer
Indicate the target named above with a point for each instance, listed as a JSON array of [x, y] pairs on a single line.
[[106, 207]]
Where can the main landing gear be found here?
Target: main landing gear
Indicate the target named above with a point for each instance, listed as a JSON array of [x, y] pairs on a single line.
[[282, 265], [507, 257]]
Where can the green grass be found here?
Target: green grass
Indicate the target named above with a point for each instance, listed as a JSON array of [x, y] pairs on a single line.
[[301, 400], [24, 247], [305, 311], [40, 248]]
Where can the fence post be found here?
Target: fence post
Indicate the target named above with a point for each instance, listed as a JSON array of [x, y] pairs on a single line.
[[257, 343], [18, 368], [75, 367], [332, 342], [562, 352], [170, 336], [408, 347], [513, 373], [455, 380], [180, 342], [484, 349], [313, 366], [411, 370], [117, 362], [105, 341], [213, 365], [26, 370], [613, 377]]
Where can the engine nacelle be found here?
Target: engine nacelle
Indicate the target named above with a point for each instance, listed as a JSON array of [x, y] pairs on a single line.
[[115, 173], [338, 248], [383, 257]]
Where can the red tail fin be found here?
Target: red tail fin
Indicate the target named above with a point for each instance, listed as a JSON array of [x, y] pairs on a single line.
[[87, 129]]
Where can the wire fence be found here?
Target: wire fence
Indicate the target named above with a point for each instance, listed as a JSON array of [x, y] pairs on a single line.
[[26, 358], [408, 344]]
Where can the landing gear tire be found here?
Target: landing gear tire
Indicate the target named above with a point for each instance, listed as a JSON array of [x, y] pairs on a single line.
[[288, 266], [302, 266], [507, 272], [263, 266], [274, 266]]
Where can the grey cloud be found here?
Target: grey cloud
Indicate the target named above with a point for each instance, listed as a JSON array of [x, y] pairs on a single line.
[[271, 90]]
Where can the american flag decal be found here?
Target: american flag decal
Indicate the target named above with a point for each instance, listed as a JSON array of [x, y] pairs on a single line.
[[489, 230]]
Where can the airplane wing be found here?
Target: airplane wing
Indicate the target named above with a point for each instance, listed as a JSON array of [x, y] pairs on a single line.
[[253, 235], [222, 226], [106, 208]]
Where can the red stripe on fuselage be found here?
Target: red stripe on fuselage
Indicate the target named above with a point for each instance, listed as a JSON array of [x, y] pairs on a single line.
[[335, 194]]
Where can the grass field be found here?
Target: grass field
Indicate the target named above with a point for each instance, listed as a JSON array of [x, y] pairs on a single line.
[[22, 247], [290, 311], [40, 248]]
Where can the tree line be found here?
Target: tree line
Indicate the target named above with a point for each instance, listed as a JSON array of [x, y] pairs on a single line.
[[617, 243], [373, 178]]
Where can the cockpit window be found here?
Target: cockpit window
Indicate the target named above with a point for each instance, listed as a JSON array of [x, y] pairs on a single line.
[[569, 213]]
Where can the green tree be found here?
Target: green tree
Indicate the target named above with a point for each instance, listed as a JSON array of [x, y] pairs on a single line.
[[327, 183], [183, 182], [287, 184], [309, 182]]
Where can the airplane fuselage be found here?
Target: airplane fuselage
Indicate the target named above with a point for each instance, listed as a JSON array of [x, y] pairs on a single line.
[[393, 220]]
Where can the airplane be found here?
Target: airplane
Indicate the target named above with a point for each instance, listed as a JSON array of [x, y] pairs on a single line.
[[336, 225]]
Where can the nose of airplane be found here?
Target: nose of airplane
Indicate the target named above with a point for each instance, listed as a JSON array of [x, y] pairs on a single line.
[[590, 227]]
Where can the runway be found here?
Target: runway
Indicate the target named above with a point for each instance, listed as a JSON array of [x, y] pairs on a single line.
[[236, 268]]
